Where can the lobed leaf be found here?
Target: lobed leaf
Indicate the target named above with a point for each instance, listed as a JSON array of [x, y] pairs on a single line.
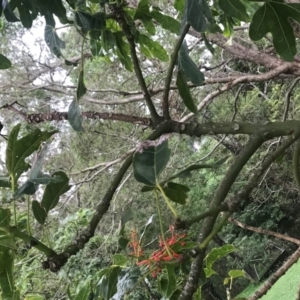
[[273, 17]]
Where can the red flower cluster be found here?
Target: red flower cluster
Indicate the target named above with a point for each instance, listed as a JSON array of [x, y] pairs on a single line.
[[164, 254]]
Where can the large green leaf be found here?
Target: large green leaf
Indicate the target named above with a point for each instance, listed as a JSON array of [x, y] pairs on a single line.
[[154, 48], [184, 92], [179, 5], [53, 7], [25, 15], [214, 255], [5, 63], [273, 17], [167, 284], [39, 212], [84, 292], [165, 21], [198, 14], [54, 190], [186, 64], [150, 161], [8, 12], [75, 117], [235, 9], [6, 275], [176, 192], [123, 51], [90, 22], [19, 149], [107, 285], [53, 41], [143, 13], [120, 260]]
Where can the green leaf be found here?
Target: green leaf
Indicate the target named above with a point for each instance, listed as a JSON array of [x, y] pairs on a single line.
[[184, 92], [123, 51], [6, 274], [108, 40], [5, 63], [179, 5], [84, 292], [108, 283], [274, 17], [4, 217], [54, 190], [235, 9], [90, 22], [39, 212], [236, 273], [209, 272], [217, 253], [150, 161], [123, 242], [81, 88], [25, 15], [75, 117], [19, 149], [176, 192], [154, 47], [198, 14], [146, 188], [53, 41], [166, 22], [189, 68], [7, 241], [143, 13], [28, 188], [167, 285], [8, 12], [119, 260]]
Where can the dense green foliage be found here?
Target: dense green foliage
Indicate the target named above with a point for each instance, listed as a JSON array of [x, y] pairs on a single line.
[[149, 148]]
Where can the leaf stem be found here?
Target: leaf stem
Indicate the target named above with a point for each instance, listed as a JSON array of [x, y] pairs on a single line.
[[28, 216], [161, 226], [173, 210]]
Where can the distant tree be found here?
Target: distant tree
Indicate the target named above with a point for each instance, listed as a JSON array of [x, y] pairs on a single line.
[[133, 79]]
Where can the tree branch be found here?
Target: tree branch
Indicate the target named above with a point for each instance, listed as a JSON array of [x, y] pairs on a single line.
[[56, 262], [119, 16], [263, 231], [168, 80], [270, 282]]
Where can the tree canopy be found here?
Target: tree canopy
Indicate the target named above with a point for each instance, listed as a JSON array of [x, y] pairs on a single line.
[[152, 149]]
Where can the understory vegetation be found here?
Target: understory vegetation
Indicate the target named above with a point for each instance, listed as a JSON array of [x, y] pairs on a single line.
[[149, 149]]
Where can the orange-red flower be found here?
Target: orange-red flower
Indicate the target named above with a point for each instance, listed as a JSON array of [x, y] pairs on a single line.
[[164, 254]]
